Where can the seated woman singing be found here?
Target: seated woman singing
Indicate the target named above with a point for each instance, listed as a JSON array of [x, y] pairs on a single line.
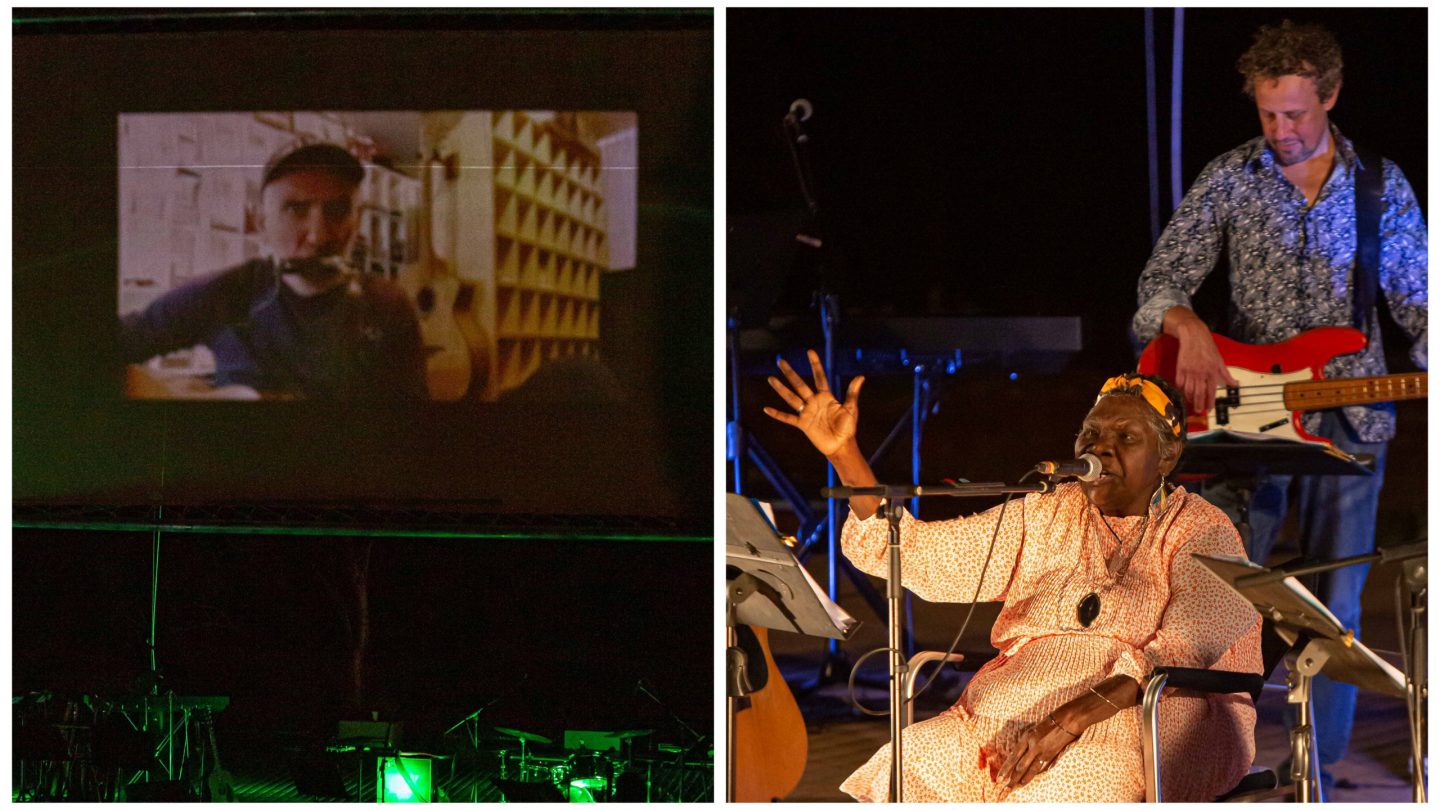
[[1099, 587]]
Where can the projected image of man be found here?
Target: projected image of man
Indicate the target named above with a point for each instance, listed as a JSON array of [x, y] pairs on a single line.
[[298, 322]]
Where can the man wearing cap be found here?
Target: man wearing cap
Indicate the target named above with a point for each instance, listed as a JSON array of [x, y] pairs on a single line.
[[298, 321]]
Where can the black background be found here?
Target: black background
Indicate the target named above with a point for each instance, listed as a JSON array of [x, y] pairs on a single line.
[[993, 161], [558, 631]]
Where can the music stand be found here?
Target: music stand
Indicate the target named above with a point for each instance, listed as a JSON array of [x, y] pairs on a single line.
[[1318, 643], [1239, 456], [1242, 462], [769, 589]]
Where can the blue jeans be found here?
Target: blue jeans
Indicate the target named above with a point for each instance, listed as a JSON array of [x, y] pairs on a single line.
[[1336, 515]]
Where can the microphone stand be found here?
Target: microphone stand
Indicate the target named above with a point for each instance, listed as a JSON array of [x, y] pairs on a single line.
[[1416, 580], [696, 738], [827, 304], [798, 140], [472, 732], [893, 508], [471, 723]]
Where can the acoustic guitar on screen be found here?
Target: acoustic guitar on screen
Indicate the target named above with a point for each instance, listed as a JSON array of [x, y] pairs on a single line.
[[456, 360], [1279, 381]]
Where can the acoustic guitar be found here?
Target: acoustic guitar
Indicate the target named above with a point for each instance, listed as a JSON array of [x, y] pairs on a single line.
[[219, 782], [770, 741], [444, 305], [1280, 381]]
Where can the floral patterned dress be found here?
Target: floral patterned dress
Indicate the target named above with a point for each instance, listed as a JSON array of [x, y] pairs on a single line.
[[1161, 608]]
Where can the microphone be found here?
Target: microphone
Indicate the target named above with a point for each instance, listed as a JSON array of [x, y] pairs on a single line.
[[800, 110], [1084, 468], [314, 266]]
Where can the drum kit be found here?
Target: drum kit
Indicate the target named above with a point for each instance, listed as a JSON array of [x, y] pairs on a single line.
[[576, 774], [589, 766]]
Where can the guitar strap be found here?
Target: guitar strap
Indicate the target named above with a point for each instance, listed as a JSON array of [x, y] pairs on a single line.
[[1369, 188]]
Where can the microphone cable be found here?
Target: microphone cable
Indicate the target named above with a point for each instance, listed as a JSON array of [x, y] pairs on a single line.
[[994, 536]]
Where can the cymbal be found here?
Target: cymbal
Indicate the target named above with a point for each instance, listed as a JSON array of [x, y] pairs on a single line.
[[539, 756], [630, 735], [524, 735], [670, 760]]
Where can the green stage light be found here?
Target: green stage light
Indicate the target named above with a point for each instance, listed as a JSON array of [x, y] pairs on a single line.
[[403, 779]]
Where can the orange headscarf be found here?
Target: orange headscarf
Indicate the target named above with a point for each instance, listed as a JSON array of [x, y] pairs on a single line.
[[1152, 394]]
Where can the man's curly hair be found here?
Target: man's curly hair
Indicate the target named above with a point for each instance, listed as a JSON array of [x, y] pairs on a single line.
[[1292, 49]]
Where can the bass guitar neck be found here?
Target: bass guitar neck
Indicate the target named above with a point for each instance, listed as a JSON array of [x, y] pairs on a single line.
[[1357, 391], [1280, 381]]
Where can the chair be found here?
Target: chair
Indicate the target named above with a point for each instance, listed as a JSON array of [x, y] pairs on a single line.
[[972, 652], [1258, 785]]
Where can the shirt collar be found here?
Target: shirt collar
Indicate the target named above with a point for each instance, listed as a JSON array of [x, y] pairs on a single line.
[[1259, 155]]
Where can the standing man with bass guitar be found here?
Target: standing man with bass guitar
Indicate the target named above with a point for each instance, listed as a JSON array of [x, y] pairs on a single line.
[[1306, 249]]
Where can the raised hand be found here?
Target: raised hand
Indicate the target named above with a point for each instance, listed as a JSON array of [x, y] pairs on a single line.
[[826, 422]]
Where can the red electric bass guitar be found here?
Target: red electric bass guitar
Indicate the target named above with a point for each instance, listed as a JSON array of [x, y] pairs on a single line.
[[1279, 381]]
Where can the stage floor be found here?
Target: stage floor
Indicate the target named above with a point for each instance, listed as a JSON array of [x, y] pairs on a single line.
[[273, 774]]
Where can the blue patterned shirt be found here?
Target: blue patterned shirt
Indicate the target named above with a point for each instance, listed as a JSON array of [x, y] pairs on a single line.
[[1291, 263]]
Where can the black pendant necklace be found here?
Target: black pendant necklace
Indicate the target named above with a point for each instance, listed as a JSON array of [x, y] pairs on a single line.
[[1088, 609]]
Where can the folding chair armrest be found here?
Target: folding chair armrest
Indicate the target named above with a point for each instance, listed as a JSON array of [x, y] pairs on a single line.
[[1216, 681], [1200, 680], [912, 669]]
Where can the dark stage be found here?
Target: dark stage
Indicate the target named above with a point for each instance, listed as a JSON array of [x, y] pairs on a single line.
[[539, 634], [979, 169]]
